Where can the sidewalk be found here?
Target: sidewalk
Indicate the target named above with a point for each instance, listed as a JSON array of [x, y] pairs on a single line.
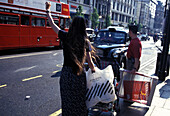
[[160, 105], [161, 101]]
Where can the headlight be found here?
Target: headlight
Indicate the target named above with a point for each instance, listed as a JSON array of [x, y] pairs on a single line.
[[115, 55]]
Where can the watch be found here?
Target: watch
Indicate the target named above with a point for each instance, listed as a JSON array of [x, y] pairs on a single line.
[[134, 68]]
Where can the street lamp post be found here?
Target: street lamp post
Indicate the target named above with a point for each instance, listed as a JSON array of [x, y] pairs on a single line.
[[164, 68]]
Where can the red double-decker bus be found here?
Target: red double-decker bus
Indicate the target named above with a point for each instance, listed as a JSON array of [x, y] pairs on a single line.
[[23, 26]]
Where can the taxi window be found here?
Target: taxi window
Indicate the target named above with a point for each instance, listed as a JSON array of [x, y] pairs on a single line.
[[111, 37]]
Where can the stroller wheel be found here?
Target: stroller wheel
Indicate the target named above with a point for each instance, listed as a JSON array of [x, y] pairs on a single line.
[[116, 106]]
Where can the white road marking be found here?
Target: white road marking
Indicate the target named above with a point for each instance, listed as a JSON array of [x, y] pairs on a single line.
[[17, 56], [147, 63], [25, 69], [55, 54]]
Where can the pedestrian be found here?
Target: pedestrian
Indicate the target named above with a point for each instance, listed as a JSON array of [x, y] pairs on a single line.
[[76, 49], [134, 50], [96, 30]]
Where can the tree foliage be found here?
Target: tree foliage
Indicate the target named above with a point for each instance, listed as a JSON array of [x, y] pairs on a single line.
[[79, 11], [107, 21], [95, 18], [138, 24]]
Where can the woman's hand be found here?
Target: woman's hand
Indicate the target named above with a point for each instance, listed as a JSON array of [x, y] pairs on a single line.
[[48, 5], [93, 70], [133, 70]]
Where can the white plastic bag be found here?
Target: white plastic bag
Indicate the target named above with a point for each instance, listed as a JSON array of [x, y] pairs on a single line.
[[100, 86]]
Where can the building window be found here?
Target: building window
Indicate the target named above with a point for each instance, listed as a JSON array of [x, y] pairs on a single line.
[[130, 11], [112, 15], [121, 7], [116, 16], [120, 17], [127, 19], [99, 9], [113, 4], [133, 11], [87, 2], [123, 17], [103, 9], [134, 2], [117, 6], [125, 9]]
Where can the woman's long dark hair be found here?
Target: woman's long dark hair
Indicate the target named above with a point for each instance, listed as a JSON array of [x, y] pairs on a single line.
[[76, 42]]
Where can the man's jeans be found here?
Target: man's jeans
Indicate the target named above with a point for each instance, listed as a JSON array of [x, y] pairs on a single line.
[[130, 64]]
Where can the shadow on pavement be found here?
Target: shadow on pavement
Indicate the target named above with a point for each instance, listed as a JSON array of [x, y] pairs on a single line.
[[165, 90], [132, 109], [56, 75]]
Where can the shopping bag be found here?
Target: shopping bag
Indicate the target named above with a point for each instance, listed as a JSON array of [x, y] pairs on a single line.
[[137, 87], [100, 86]]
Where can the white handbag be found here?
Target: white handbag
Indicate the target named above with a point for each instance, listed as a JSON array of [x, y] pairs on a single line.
[[100, 86]]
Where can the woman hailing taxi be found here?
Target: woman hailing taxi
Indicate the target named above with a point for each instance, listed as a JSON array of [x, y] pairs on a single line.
[[76, 49]]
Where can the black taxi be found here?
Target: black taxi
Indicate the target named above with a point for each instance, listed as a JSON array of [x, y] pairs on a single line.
[[111, 45]]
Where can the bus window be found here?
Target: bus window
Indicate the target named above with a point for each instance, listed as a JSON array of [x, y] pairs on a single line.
[[24, 20], [9, 19], [38, 22], [67, 23], [55, 21], [62, 23]]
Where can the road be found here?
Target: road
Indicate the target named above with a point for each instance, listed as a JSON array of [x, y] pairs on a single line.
[[34, 75], [29, 82]]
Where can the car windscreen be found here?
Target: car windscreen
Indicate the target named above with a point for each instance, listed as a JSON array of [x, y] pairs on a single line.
[[89, 31], [111, 37]]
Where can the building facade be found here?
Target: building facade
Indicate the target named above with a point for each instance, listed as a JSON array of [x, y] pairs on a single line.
[[152, 10], [102, 7], [142, 15], [159, 17], [145, 15], [122, 12], [87, 6]]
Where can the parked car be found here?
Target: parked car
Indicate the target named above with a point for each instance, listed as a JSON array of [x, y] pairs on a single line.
[[111, 46], [90, 33], [144, 37]]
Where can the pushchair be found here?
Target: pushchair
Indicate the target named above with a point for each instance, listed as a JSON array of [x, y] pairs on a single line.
[[136, 87], [111, 106], [133, 87]]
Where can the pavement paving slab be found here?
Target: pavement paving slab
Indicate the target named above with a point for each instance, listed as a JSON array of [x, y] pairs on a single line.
[[158, 102], [160, 112], [167, 104]]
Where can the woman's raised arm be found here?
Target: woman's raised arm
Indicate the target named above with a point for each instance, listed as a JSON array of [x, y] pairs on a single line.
[[50, 19]]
